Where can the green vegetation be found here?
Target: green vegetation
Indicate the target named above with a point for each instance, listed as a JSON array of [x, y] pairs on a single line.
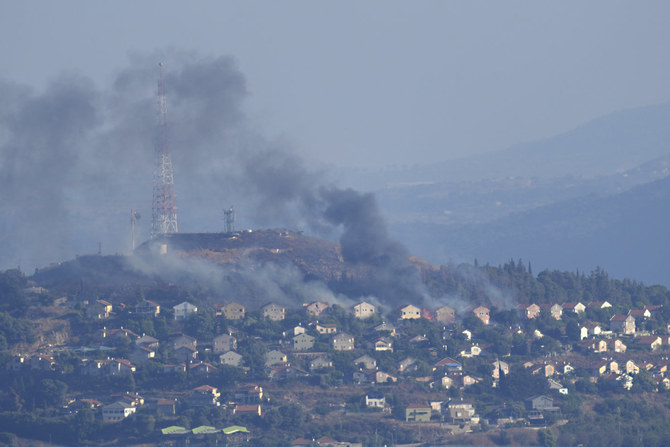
[[36, 400]]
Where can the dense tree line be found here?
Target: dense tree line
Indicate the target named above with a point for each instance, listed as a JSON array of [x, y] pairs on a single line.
[[514, 282]]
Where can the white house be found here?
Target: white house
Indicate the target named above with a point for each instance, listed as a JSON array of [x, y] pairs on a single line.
[[184, 310], [364, 310], [117, 411]]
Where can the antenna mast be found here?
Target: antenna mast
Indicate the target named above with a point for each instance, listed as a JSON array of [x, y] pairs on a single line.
[[229, 220], [164, 204], [134, 221]]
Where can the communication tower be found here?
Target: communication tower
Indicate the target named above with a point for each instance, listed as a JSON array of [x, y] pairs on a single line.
[[229, 219], [164, 204]]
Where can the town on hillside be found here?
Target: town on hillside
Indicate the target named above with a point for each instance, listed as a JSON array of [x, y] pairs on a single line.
[[99, 371]]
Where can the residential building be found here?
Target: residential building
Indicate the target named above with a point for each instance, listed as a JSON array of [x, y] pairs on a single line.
[[482, 313], [118, 335], [233, 311], [231, 358], [594, 329], [616, 345], [120, 367], [147, 341], [249, 394], [623, 324], [363, 310], [366, 362], [326, 328], [418, 413], [184, 310], [384, 377], [460, 412], [577, 308], [273, 312], [248, 409], [147, 308], [599, 305], [651, 342], [284, 372], [117, 411], [274, 357], [640, 314], [594, 345], [544, 369], [386, 327], [529, 311], [445, 315], [224, 343], [99, 310], [384, 344], [447, 365], [583, 332], [556, 311], [343, 342], [631, 368], [141, 354], [202, 368], [184, 340], [406, 364], [471, 351], [185, 353], [172, 368], [41, 362], [541, 403], [499, 367], [166, 407], [410, 312], [204, 396], [375, 401], [320, 362], [303, 342], [316, 308]]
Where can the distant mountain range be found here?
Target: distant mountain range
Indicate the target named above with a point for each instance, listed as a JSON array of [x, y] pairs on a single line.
[[604, 146], [626, 234], [594, 196]]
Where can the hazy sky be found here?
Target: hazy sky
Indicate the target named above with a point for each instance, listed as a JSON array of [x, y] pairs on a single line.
[[369, 83]]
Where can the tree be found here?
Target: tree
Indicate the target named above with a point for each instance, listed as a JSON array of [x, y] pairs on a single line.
[[546, 438], [572, 331], [201, 325], [643, 382], [51, 393], [520, 384]]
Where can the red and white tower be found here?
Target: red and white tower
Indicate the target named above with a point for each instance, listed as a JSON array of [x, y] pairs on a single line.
[[164, 204]]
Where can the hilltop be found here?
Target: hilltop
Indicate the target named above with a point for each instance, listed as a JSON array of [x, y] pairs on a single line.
[[213, 265]]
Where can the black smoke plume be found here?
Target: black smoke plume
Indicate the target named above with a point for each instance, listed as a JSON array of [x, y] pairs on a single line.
[[76, 157]]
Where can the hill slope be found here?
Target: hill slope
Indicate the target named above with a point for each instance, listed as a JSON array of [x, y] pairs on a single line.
[[604, 146], [253, 266], [626, 234]]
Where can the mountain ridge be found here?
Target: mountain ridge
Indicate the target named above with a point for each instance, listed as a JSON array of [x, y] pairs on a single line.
[[623, 233], [603, 146]]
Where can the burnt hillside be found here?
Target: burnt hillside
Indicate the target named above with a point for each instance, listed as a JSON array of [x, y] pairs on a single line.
[[213, 264]]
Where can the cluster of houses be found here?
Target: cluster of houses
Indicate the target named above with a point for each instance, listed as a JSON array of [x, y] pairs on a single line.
[[301, 350], [459, 416]]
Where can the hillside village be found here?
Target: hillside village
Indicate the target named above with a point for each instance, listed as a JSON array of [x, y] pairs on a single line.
[[322, 373]]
